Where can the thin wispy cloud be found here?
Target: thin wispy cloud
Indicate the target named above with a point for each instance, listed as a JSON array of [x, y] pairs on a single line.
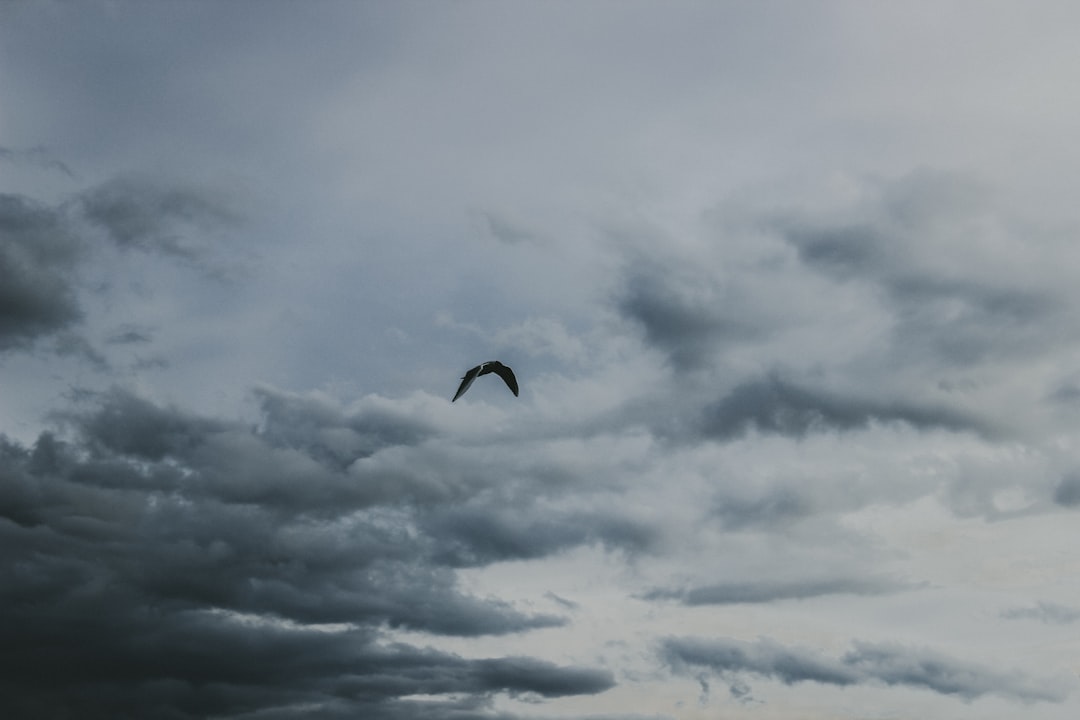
[[733, 593], [145, 214], [864, 663], [38, 156], [1044, 612]]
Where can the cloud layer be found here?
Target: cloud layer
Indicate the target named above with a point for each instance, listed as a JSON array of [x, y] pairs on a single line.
[[791, 298]]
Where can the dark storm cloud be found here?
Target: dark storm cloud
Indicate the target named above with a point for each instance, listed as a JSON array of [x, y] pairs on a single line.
[[774, 405], [196, 664], [763, 592], [198, 545], [1045, 612], [128, 425], [38, 256], [297, 464], [866, 663], [159, 563], [150, 215]]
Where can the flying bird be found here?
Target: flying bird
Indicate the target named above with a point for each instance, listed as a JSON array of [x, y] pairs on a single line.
[[493, 366]]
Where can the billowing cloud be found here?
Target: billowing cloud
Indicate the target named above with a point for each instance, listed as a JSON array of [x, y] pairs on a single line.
[[322, 429], [958, 308], [160, 540], [864, 663]]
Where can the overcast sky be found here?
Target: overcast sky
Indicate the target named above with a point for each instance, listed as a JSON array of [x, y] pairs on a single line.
[[789, 289]]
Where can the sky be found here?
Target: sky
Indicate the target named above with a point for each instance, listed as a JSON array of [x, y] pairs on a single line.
[[788, 287]]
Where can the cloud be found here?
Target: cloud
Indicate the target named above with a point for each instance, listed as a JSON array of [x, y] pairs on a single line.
[[563, 602], [323, 430], [1067, 492], [38, 258], [209, 568], [1045, 612], [764, 657], [128, 425], [349, 457], [685, 314], [128, 334], [69, 344], [148, 214], [499, 227], [482, 534], [543, 336], [201, 664], [762, 592], [866, 663], [775, 405], [943, 262], [923, 270], [38, 156], [44, 249], [780, 506]]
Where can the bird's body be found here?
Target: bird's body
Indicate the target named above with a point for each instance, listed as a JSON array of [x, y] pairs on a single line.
[[493, 366]]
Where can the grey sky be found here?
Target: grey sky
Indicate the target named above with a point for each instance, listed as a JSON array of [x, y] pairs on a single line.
[[789, 289]]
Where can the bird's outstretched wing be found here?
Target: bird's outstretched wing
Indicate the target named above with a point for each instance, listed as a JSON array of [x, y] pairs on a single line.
[[466, 381], [506, 374], [494, 366]]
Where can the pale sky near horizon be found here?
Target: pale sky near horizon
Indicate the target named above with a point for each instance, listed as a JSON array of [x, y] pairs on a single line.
[[789, 289]]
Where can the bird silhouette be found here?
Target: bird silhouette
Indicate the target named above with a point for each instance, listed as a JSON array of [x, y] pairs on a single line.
[[494, 366]]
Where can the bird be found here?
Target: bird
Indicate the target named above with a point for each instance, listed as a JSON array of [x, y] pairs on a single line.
[[492, 366]]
